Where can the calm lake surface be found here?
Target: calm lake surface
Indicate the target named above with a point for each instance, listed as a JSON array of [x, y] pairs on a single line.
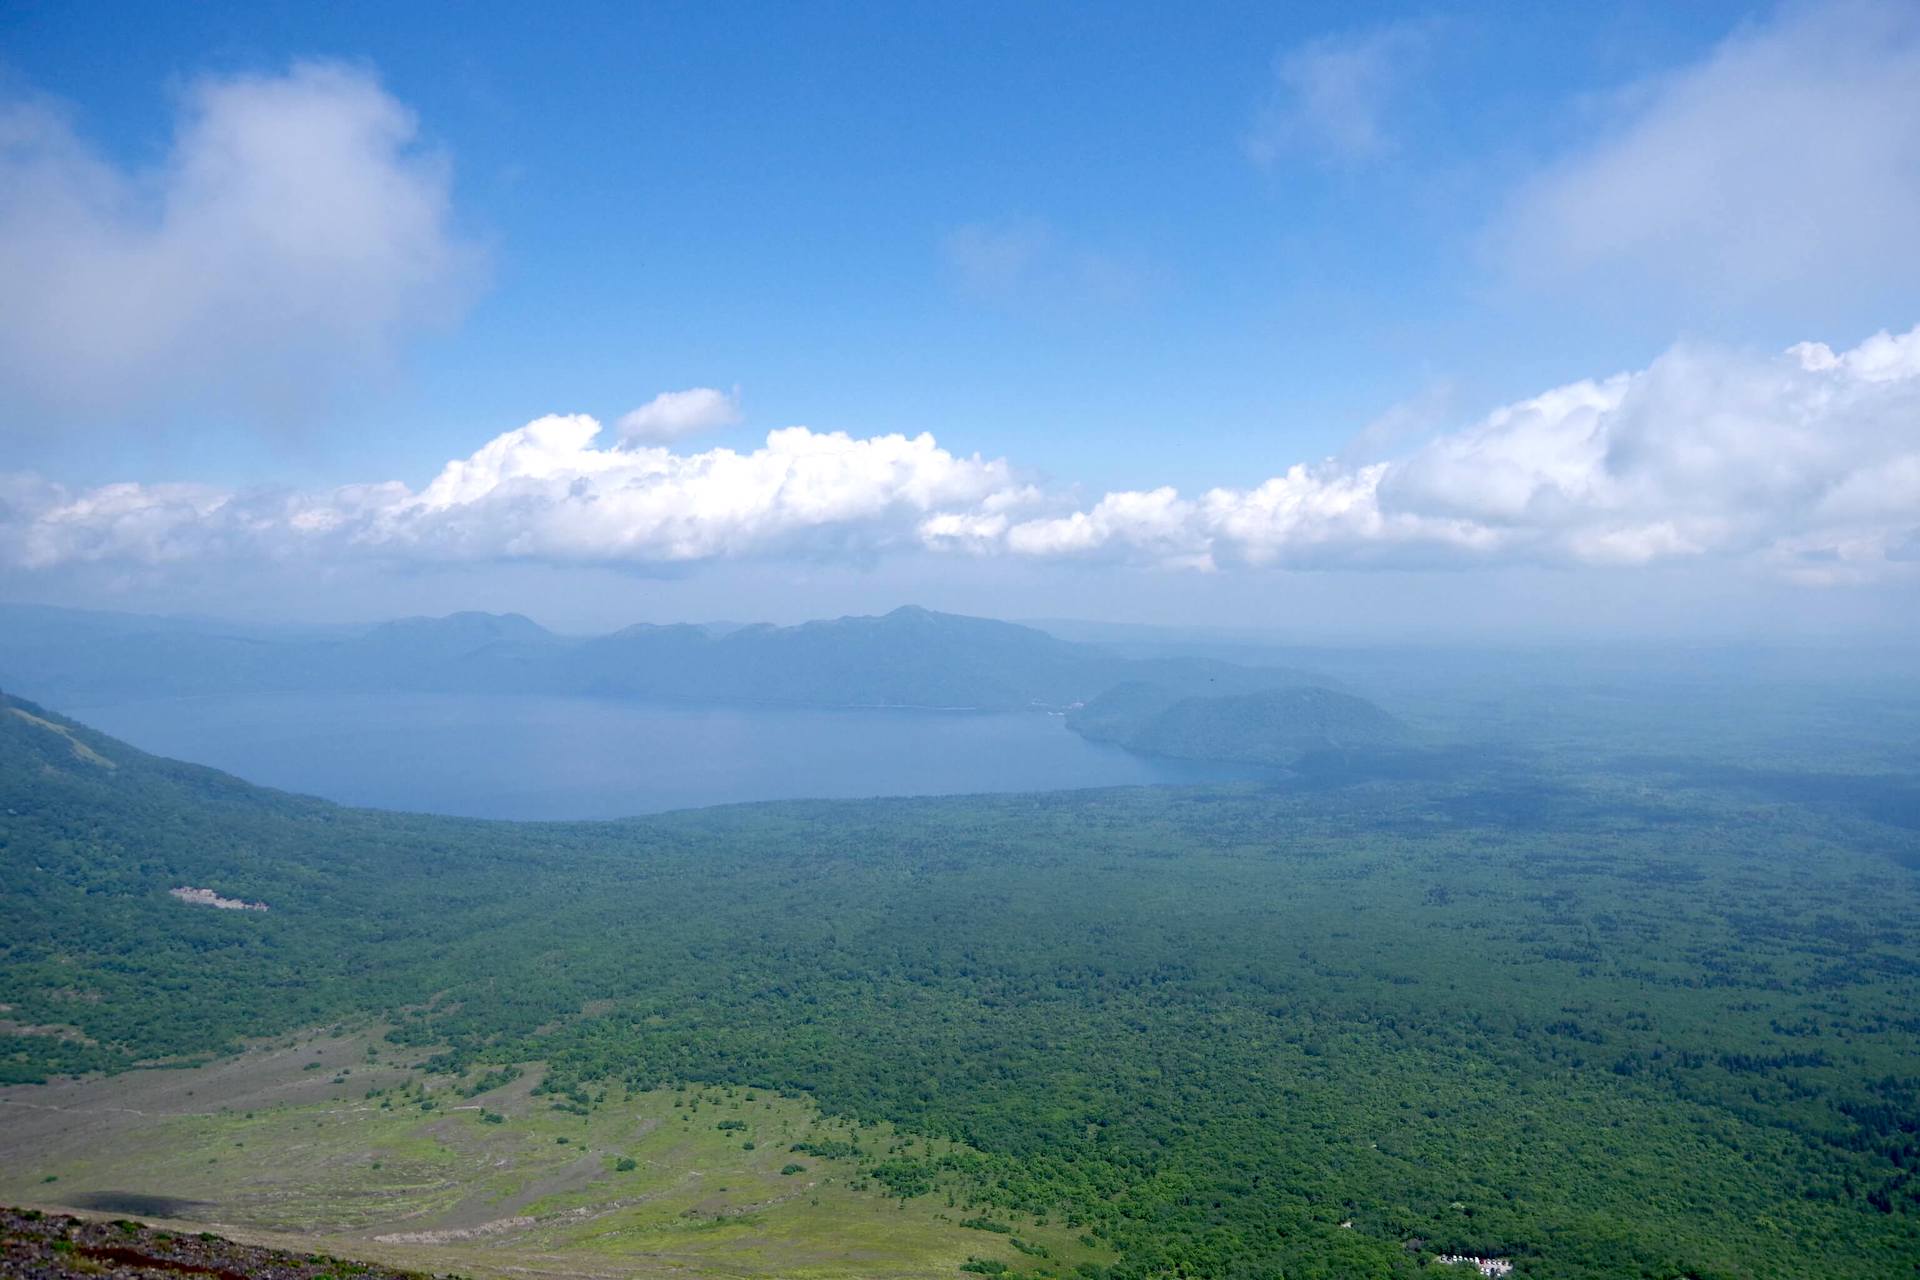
[[540, 757]]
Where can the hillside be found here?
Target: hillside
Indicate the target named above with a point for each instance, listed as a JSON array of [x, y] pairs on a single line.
[[1266, 726], [1571, 1021]]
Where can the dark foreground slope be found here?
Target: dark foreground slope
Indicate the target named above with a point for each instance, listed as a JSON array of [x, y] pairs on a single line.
[[38, 1246], [1605, 1025]]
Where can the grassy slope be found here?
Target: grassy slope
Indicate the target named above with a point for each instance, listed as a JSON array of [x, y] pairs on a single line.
[[349, 1159]]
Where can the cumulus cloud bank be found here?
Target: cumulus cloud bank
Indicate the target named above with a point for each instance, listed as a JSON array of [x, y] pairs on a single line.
[[294, 238], [542, 492], [1805, 463]]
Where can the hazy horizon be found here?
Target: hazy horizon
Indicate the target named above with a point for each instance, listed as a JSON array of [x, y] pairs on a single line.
[[1332, 634]]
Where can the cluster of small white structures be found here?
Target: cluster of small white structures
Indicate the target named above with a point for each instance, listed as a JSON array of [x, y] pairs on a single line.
[[208, 898], [1486, 1266]]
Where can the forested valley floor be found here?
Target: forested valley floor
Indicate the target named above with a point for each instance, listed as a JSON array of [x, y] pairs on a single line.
[[1643, 1018]]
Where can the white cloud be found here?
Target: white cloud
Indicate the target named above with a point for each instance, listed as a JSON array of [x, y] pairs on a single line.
[[674, 415], [294, 238], [1332, 95], [1156, 525], [1807, 463], [1804, 464], [995, 261], [42, 526], [543, 492], [1784, 165]]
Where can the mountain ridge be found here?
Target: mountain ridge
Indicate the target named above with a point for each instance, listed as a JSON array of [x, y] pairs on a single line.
[[910, 657]]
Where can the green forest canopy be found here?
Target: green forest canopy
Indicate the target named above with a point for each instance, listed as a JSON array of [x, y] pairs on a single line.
[[1603, 1023]]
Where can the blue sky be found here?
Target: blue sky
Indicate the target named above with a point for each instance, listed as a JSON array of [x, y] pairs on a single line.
[[1119, 249]]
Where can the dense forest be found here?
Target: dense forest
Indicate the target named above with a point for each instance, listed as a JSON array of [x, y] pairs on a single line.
[[1649, 1019], [1265, 727]]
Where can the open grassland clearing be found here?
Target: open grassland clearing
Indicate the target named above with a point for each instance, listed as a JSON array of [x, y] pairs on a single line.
[[342, 1143]]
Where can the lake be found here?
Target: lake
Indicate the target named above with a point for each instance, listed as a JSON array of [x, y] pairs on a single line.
[[575, 757]]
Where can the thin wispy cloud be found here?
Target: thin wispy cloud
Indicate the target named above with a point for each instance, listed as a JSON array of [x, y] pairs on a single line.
[[1027, 262], [1784, 166], [296, 237], [1804, 465], [1333, 96]]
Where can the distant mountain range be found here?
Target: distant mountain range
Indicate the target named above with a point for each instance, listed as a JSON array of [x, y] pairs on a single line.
[[911, 657]]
